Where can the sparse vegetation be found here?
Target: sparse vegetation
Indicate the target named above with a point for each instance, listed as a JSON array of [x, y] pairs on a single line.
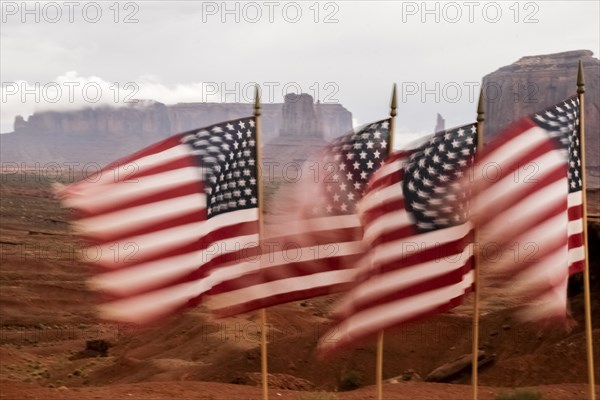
[[350, 381], [317, 396], [520, 394]]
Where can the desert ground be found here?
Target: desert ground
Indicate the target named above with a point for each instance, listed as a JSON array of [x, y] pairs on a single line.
[[48, 323]]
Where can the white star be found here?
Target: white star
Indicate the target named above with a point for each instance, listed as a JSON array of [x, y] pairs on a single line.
[[370, 164], [363, 175], [242, 125], [363, 155], [376, 154]]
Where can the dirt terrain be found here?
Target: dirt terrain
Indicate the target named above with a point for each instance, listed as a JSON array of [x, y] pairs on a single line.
[[47, 316]]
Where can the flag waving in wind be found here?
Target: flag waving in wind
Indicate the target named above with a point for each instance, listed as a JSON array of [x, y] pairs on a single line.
[[311, 250], [419, 237], [175, 210], [527, 200]]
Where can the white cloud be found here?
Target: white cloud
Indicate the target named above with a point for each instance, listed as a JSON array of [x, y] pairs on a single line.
[[71, 91]]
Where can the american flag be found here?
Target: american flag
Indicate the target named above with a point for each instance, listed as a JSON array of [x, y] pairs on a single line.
[[161, 219], [527, 188], [570, 110], [312, 248], [419, 237]]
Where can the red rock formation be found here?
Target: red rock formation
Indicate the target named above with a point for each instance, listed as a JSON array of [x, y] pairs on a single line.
[[536, 82], [103, 134]]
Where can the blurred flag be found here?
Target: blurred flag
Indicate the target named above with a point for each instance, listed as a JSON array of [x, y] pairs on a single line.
[[161, 219], [312, 247], [419, 237], [527, 202], [574, 174]]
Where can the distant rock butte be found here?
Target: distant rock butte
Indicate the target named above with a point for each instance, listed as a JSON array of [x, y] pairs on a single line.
[[440, 123], [104, 134], [534, 83]]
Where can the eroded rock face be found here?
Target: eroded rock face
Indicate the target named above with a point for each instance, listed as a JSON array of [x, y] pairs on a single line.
[[306, 127], [101, 135], [300, 117], [536, 82]]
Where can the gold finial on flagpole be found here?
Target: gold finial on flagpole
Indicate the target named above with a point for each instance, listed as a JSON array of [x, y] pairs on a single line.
[[580, 83], [393, 106]]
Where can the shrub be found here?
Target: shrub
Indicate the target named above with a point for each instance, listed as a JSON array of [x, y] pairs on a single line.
[[350, 381]]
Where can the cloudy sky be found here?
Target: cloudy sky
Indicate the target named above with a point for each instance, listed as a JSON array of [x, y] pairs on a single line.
[[69, 55]]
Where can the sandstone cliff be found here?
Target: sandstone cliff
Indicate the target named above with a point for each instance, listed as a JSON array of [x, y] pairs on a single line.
[[104, 134], [536, 82]]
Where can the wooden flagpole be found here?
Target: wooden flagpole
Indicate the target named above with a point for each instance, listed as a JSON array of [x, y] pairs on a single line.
[[263, 311], [475, 350], [379, 368], [586, 271]]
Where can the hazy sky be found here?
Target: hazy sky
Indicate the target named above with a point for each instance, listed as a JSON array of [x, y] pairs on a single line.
[[68, 55]]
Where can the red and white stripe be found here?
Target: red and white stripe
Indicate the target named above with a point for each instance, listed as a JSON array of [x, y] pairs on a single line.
[[575, 230], [302, 257], [409, 275], [152, 247], [525, 217]]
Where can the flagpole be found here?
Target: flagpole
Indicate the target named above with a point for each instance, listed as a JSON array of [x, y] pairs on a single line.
[[379, 368], [475, 350], [263, 311], [586, 271]]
